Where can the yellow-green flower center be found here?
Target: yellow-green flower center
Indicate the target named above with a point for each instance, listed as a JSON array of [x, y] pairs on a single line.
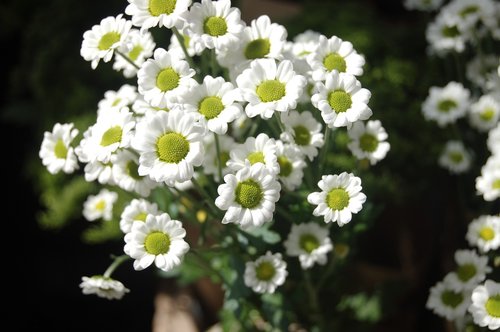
[[256, 157], [496, 184], [451, 299], [60, 149], [446, 105], [135, 52], [116, 102], [100, 205], [167, 79], [339, 100], [468, 10], [108, 39], [466, 272], [337, 199], [132, 170], [158, 7], [211, 107], [111, 136], [334, 61], [450, 31], [215, 26], [141, 216], [308, 242], [493, 306], [172, 147], [302, 135], [286, 167], [271, 90], [487, 233], [224, 157], [368, 142], [248, 194], [265, 271], [487, 114], [456, 157], [157, 243], [257, 48]]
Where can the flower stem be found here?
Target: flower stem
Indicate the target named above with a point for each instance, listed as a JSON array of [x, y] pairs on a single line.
[[117, 262], [207, 196], [126, 58], [313, 300], [213, 63], [278, 120], [219, 161], [324, 151], [180, 39]]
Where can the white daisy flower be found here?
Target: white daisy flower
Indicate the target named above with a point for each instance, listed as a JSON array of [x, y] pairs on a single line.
[[150, 13], [485, 307], [493, 141], [162, 78], [309, 242], [124, 97], [192, 47], [444, 34], [100, 205], [303, 130], [480, 68], [471, 270], [446, 105], [424, 5], [137, 47], [446, 302], [136, 210], [471, 12], [266, 273], [484, 233], [126, 173], [240, 126], [368, 142], [143, 108], [341, 100], [455, 157], [56, 151], [335, 54], [484, 113], [302, 46], [268, 87], [339, 198], [210, 165], [159, 239], [291, 162], [104, 287], [113, 130], [100, 42], [214, 103], [102, 172], [260, 149], [488, 183], [249, 197], [170, 146], [215, 24]]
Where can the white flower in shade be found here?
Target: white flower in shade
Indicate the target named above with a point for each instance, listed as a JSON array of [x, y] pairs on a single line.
[[143, 108], [136, 210], [471, 270], [335, 54], [488, 183], [446, 105], [214, 103], [471, 12], [170, 146], [444, 34], [309, 242], [240, 126], [446, 302], [113, 130], [249, 197], [485, 307], [484, 113], [56, 151], [424, 5], [484, 233], [150, 13], [270, 87], [292, 164], [480, 68], [137, 47], [100, 205], [455, 157], [192, 47], [302, 46], [266, 273], [210, 165], [341, 100], [126, 173], [339, 198], [124, 97], [303, 130], [159, 239], [215, 24], [493, 141], [368, 141], [104, 287], [100, 42], [260, 149], [102, 172], [162, 78]]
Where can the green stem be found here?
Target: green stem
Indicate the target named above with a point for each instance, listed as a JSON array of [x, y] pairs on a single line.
[[219, 161], [180, 39], [327, 271], [285, 214], [255, 126], [117, 262], [313, 300], [213, 63], [324, 151], [207, 197], [126, 58], [278, 120]]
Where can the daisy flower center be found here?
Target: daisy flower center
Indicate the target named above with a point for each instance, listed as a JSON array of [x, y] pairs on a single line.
[[466, 272], [446, 105], [285, 166], [456, 157], [99, 206], [257, 48], [107, 40], [468, 10], [211, 107], [116, 102], [141, 216], [135, 52], [450, 31], [158, 7], [271, 90], [132, 170], [496, 184], [111, 136], [157, 243], [493, 306], [60, 149], [265, 271], [215, 26], [334, 61], [248, 194], [368, 142], [256, 157], [302, 135], [451, 299], [167, 79], [308, 243], [172, 147], [337, 199], [487, 233], [487, 114], [224, 157], [339, 100]]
